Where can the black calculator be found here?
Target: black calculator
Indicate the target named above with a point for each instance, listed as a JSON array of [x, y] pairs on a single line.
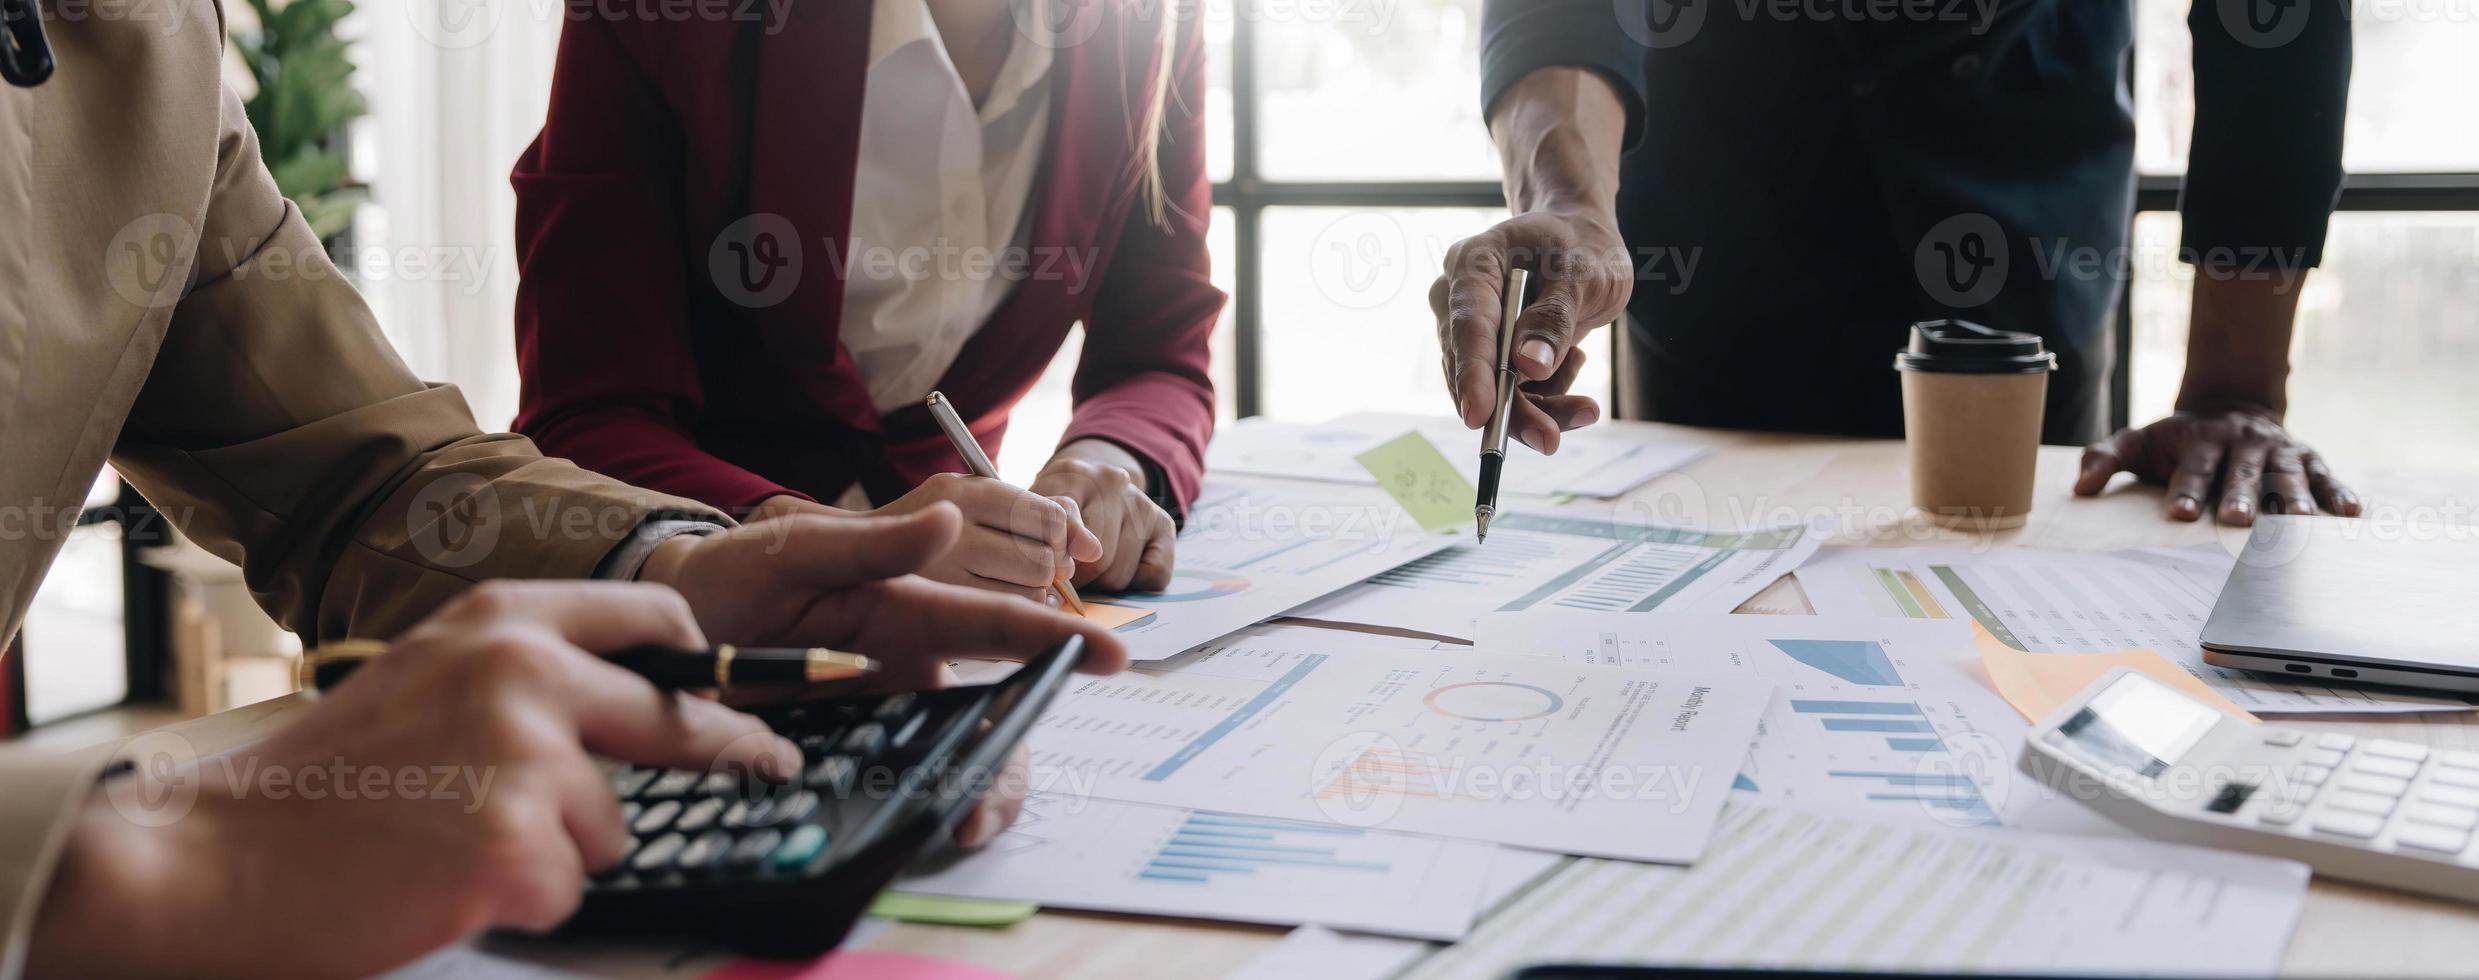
[[784, 869]]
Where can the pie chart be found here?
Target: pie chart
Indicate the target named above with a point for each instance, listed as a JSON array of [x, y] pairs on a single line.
[[1494, 701], [1190, 586]]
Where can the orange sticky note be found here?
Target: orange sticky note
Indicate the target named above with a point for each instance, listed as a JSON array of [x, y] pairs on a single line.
[[2036, 683], [1115, 617]]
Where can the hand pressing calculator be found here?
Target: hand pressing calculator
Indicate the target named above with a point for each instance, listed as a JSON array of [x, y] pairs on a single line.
[[2171, 768], [784, 869]]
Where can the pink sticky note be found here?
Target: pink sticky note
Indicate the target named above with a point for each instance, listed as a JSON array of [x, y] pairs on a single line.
[[857, 964]]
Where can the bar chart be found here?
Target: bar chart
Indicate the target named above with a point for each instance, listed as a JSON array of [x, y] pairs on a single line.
[[1208, 846]]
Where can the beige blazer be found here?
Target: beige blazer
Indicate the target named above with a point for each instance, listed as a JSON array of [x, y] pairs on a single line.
[[163, 307]]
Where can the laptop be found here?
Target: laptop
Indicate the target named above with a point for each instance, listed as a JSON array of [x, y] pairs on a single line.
[[2353, 600]]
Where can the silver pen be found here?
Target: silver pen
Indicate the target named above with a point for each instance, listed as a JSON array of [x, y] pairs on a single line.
[[1493, 438], [979, 462]]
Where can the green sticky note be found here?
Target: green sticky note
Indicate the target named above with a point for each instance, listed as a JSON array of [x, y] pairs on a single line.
[[1419, 477], [943, 911]]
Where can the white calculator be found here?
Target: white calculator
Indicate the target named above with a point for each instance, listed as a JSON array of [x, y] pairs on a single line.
[[2172, 768]]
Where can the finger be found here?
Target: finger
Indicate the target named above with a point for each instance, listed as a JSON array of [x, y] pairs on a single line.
[[1562, 379], [2105, 459], [1004, 557], [620, 716], [917, 619], [1547, 329], [1124, 559], [832, 552], [595, 616], [2330, 493], [2285, 483], [1044, 594], [999, 805], [543, 890], [2191, 483], [1082, 543], [1475, 281], [1568, 412], [590, 812], [1533, 426], [1153, 567], [1112, 534], [999, 506], [2241, 477]]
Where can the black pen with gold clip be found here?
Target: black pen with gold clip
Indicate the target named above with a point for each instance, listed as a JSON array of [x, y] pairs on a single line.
[[720, 667], [1493, 439]]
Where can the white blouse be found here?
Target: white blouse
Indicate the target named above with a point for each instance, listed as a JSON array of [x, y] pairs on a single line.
[[940, 200]]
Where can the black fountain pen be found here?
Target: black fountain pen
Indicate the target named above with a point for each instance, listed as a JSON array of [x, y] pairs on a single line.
[[1493, 439], [719, 667]]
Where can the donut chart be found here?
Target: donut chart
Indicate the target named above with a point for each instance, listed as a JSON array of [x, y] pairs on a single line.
[[1494, 701], [1189, 586]]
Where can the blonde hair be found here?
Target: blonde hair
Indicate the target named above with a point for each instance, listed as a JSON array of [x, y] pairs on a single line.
[[1157, 118]]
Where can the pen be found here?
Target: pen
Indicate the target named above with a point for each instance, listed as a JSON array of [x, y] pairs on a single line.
[[1493, 439], [979, 462], [665, 667]]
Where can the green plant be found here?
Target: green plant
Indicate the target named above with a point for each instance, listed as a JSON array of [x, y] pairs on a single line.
[[305, 97]]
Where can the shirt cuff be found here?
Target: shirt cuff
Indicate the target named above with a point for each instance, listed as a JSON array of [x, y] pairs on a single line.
[[629, 558]]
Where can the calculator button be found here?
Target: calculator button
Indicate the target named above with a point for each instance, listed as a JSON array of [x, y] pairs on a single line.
[[2314, 775], [2390, 749], [2458, 759], [656, 817], [2281, 814], [745, 814], [658, 853], [2450, 796], [2328, 758], [820, 742], [868, 738], [706, 852], [2443, 815], [2429, 838], [630, 810], [2380, 766], [2385, 786], [2335, 741], [2359, 802], [894, 707], [673, 784], [632, 781], [909, 728], [802, 847], [699, 816], [2349, 824], [792, 809], [721, 782], [754, 848], [832, 774], [2283, 737], [2449, 776]]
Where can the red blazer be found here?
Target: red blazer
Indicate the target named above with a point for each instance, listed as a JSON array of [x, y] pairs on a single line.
[[652, 349]]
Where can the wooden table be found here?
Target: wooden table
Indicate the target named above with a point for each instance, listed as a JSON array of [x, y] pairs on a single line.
[[1860, 487]]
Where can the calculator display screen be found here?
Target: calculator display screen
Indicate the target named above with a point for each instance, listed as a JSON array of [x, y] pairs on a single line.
[[2138, 724]]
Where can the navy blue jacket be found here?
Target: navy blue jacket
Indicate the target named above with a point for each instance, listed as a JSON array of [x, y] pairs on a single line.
[[1807, 177]]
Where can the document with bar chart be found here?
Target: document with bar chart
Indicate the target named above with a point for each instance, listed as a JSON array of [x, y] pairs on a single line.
[[1604, 460], [1250, 554], [2067, 602], [1105, 856], [1571, 562], [1786, 890], [1614, 762], [1870, 717]]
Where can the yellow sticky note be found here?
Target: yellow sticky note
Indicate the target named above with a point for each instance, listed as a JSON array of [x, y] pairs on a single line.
[[2036, 683], [1115, 617], [945, 911], [1419, 477]]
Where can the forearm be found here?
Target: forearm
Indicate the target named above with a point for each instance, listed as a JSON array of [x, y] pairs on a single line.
[[2238, 342], [1560, 132]]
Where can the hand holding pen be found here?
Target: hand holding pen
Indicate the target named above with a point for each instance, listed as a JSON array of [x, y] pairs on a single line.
[[1493, 437]]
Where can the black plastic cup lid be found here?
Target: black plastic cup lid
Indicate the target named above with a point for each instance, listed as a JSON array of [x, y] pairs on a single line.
[[1964, 347]]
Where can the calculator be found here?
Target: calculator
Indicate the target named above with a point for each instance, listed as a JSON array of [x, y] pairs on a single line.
[[784, 869], [2169, 767]]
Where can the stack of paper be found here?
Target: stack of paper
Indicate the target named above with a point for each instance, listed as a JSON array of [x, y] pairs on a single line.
[[1601, 461]]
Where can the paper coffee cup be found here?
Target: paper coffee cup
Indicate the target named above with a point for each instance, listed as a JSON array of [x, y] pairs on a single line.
[[1972, 398]]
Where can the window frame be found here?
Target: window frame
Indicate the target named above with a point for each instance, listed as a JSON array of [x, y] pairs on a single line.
[[1247, 195]]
